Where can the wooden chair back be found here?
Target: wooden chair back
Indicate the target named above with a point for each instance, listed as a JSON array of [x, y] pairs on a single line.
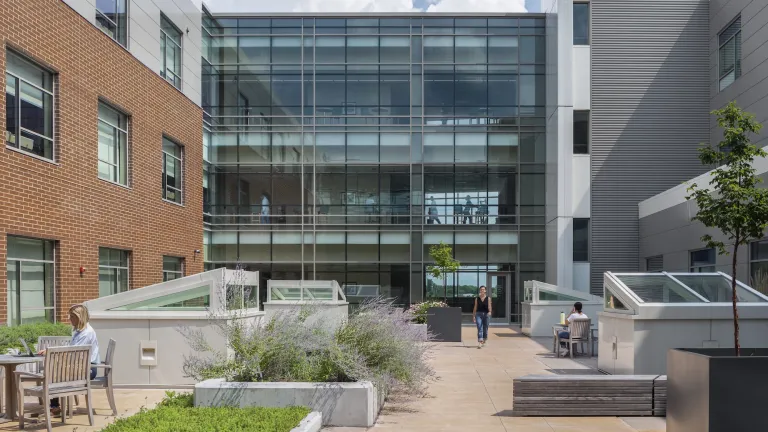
[[110, 352], [579, 328], [68, 367], [45, 342]]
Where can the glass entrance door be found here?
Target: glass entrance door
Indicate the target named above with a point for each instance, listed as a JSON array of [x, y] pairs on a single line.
[[499, 286]]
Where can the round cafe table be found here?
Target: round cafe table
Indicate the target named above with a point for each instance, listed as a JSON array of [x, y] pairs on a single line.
[[9, 362]]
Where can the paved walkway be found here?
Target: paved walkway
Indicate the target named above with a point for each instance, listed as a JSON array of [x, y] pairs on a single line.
[[474, 391], [128, 402]]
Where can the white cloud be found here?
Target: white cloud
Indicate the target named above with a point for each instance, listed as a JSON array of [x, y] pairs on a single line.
[[354, 6], [477, 6], [256, 6]]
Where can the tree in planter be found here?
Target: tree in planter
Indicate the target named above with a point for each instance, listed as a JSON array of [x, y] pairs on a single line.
[[733, 202], [442, 255]]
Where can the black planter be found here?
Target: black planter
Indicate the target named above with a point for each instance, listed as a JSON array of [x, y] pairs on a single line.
[[444, 324], [711, 390]]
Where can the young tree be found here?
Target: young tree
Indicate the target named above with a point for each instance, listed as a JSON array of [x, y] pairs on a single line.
[[442, 254], [733, 202]]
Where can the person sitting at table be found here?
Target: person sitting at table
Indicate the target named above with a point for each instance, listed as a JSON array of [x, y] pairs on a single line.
[[576, 313], [83, 334]]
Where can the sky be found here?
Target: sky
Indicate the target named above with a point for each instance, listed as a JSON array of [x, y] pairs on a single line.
[[254, 6]]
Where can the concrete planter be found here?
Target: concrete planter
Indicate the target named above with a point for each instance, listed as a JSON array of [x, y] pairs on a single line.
[[313, 422], [341, 404], [444, 324], [711, 390]]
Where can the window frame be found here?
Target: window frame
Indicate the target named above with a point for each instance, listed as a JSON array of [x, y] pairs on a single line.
[[753, 260], [180, 273], [737, 58], [589, 251], [126, 6], [116, 130], [589, 133], [699, 268], [180, 161], [19, 261], [52, 93], [589, 24], [117, 269], [164, 39]]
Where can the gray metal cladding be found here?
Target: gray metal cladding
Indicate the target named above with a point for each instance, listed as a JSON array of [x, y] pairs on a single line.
[[650, 112]]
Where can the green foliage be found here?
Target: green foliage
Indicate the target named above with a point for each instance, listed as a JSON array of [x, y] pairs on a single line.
[[419, 310], [9, 336], [733, 203], [376, 343], [178, 400], [442, 254], [177, 414]]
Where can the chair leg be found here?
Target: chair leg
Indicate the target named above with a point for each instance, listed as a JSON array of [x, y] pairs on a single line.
[[111, 399], [63, 403], [21, 406], [77, 400], [570, 348], [88, 401]]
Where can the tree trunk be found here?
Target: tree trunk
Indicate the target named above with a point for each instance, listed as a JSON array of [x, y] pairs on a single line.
[[445, 291], [735, 309]]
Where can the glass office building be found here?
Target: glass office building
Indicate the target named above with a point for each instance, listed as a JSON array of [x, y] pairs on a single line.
[[344, 147]]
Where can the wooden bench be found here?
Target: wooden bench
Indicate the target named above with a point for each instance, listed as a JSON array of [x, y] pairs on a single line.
[[589, 395]]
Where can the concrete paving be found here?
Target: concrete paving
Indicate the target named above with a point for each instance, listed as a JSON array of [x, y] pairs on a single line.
[[128, 402], [474, 390]]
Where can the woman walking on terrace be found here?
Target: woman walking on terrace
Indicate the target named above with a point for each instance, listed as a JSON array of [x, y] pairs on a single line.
[[481, 313]]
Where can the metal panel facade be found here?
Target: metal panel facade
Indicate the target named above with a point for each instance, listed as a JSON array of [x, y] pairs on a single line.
[[650, 103]]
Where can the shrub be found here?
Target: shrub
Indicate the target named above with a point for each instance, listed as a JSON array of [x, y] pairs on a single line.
[[376, 343], [9, 336], [419, 310], [177, 414]]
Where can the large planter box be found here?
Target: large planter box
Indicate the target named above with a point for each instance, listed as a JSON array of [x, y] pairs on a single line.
[[444, 324], [711, 390], [341, 404]]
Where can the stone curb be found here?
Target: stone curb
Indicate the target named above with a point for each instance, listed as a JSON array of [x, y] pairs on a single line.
[[313, 422]]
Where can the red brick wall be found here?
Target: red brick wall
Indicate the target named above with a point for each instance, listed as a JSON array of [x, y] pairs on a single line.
[[67, 202]]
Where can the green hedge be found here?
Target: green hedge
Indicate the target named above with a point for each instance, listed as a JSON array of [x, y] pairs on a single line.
[[9, 336], [177, 414]]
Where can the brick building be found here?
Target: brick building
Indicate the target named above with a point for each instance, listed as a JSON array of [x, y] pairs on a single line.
[[101, 171]]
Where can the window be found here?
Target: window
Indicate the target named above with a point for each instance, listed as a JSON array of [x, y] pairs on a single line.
[[173, 268], [112, 18], [113, 271], [581, 23], [172, 174], [581, 132], [730, 53], [703, 261], [170, 51], [113, 145], [654, 264], [758, 264], [580, 240], [28, 107], [30, 281]]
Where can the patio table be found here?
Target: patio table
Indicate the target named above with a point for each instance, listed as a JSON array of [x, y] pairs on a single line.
[[557, 328], [9, 362]]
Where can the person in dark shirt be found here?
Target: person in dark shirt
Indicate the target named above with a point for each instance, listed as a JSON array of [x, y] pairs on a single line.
[[481, 314]]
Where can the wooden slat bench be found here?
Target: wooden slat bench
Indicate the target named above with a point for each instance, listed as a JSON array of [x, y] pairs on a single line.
[[589, 395]]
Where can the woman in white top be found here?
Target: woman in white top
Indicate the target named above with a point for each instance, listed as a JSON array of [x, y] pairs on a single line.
[[83, 334]]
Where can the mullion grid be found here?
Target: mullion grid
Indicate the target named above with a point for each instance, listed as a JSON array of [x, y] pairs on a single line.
[[412, 127]]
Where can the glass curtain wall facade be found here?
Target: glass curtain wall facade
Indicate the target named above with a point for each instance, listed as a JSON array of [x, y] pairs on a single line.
[[343, 148]]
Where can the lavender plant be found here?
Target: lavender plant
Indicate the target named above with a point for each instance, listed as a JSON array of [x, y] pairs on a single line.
[[376, 343]]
